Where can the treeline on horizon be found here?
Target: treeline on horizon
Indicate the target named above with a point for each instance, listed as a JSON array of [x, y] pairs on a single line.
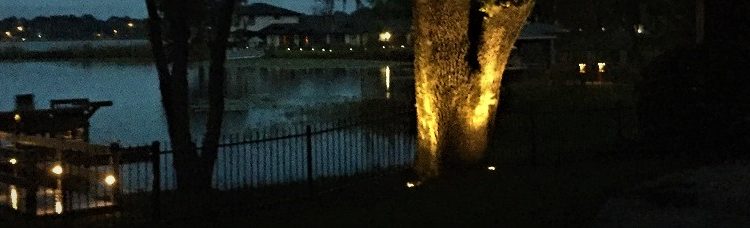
[[71, 27]]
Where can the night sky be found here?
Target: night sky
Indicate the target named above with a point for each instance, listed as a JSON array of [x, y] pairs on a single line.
[[104, 9]]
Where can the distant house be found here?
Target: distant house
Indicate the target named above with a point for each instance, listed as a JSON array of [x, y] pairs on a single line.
[[248, 20], [535, 47]]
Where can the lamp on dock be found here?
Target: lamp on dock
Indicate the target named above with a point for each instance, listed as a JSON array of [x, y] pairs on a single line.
[[110, 180], [57, 169]]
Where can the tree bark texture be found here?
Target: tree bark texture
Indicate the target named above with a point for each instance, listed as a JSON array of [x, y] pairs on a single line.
[[462, 47]]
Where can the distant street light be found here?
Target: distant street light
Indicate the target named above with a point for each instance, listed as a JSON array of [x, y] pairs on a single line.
[[17, 118], [130, 24], [114, 31], [13, 161], [19, 28], [602, 67], [7, 33]]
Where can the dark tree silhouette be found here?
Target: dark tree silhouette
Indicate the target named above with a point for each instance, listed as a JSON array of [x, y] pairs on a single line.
[[174, 26]]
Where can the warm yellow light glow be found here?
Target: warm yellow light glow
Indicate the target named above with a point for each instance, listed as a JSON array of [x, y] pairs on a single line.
[[57, 169], [58, 206], [13, 161], [385, 36], [413, 184], [640, 29], [582, 68], [402, 46], [383, 47], [17, 118], [491, 168], [19, 28], [602, 67], [7, 33], [130, 24], [110, 180], [114, 31], [13, 197], [409, 185]]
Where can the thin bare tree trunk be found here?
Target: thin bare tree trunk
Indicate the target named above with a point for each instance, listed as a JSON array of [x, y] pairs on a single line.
[[216, 90], [462, 47]]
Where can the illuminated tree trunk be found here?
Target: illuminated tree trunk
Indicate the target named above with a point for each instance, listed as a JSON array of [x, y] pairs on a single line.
[[462, 47]]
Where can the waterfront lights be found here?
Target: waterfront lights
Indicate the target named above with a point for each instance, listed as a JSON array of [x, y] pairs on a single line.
[[300, 49], [110, 180], [413, 184], [582, 68], [491, 168], [17, 118], [383, 47], [57, 169], [324, 50], [602, 67], [351, 49], [402, 46], [130, 24], [385, 36], [114, 31], [19, 28], [13, 161], [8, 34]]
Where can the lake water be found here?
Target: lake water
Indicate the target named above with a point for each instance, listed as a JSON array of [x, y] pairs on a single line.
[[261, 92]]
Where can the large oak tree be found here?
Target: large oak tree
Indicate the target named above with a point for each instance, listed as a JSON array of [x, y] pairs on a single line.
[[461, 50]]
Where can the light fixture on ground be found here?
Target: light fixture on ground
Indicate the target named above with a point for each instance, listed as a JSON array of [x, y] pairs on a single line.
[[110, 180], [57, 170]]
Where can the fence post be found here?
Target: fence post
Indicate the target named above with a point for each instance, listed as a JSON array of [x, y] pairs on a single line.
[[310, 177], [156, 185], [532, 135], [115, 149], [620, 108]]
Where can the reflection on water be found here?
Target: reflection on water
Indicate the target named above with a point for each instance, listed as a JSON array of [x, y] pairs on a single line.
[[13, 197]]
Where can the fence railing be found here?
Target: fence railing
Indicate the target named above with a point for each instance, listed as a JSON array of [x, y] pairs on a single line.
[[307, 154]]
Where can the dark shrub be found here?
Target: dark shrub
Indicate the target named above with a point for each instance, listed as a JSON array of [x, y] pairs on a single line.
[[696, 100]]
